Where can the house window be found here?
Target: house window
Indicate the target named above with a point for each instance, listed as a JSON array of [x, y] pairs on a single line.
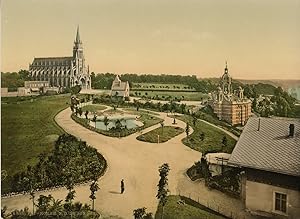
[[280, 202]]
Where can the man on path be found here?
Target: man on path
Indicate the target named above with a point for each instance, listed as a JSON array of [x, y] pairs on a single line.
[[122, 186]]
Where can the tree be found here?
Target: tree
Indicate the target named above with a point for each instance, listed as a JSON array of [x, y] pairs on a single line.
[[162, 126], [76, 89], [187, 129], [94, 188], [95, 119], [118, 124], [224, 142], [3, 210], [80, 111], [202, 136], [163, 185], [86, 114], [141, 213], [194, 119], [105, 122]]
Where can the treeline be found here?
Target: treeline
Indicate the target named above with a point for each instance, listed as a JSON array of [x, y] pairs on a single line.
[[254, 90], [71, 159], [104, 81], [13, 80]]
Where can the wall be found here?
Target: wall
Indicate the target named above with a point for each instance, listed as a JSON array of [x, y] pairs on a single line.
[[260, 200], [21, 92]]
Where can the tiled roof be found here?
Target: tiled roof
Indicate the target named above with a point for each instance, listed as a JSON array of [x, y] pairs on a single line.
[[270, 148]]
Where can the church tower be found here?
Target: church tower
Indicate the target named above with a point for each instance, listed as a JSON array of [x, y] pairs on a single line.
[[78, 54], [81, 73]]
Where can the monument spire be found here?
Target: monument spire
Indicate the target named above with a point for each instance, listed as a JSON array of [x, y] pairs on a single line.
[[226, 69]]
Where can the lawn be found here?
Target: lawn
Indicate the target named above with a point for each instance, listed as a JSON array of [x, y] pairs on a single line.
[[165, 134], [28, 129], [212, 139], [158, 86], [189, 210], [93, 108], [133, 110], [169, 95]]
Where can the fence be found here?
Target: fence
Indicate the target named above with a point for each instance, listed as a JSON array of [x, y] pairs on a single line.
[[216, 208]]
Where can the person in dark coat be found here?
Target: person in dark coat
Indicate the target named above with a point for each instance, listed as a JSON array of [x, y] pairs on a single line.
[[122, 186]]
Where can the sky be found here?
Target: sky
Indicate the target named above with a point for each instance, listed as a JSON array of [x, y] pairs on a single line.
[[260, 39]]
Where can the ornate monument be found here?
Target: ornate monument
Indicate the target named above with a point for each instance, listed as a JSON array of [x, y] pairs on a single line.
[[230, 105]]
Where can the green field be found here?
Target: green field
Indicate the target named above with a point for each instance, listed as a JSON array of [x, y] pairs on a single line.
[[213, 137], [158, 86], [165, 134], [169, 95], [189, 210], [27, 130]]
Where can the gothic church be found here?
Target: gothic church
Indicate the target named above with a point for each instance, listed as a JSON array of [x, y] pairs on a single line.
[[63, 71]]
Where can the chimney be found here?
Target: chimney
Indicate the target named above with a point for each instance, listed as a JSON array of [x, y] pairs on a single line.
[[258, 128], [291, 130]]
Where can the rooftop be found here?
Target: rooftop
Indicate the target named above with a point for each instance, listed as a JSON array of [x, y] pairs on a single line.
[[265, 144], [52, 58]]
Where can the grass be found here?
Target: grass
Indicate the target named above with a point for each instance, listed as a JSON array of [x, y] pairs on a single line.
[[189, 210], [167, 95], [93, 108], [213, 137], [133, 110], [158, 86], [28, 129], [165, 134]]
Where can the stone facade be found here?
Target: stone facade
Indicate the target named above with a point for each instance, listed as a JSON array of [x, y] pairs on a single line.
[[230, 105], [63, 71], [119, 88]]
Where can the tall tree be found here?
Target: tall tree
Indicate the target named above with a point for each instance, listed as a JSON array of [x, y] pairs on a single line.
[[94, 188], [224, 142], [187, 130], [162, 126], [105, 122], [163, 185]]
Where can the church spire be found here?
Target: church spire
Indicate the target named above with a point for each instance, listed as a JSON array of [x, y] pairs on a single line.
[[77, 36]]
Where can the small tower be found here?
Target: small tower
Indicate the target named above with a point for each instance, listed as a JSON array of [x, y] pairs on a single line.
[[226, 81]]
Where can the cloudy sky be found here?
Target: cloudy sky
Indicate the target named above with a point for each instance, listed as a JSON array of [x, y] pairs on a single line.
[[260, 39]]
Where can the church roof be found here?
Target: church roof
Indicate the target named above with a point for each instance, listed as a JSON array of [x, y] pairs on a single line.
[[53, 58], [265, 144]]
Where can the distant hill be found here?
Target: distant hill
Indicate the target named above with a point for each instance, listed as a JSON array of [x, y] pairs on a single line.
[[285, 84]]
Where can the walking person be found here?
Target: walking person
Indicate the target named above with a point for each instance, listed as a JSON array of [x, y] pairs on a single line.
[[122, 186]]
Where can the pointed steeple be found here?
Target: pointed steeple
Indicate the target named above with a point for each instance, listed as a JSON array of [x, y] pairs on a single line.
[[226, 69], [77, 36]]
